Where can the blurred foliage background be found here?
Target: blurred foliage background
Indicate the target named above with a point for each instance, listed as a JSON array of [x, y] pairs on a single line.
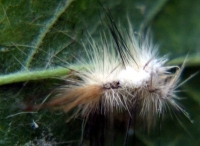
[[38, 35]]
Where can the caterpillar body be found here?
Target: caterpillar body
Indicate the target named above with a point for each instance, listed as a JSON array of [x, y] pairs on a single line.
[[118, 75], [110, 81]]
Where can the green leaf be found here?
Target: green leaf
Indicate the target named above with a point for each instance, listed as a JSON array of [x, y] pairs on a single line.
[[39, 37]]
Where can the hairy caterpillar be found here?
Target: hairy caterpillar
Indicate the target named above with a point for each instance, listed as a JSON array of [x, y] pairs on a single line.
[[113, 79], [119, 74]]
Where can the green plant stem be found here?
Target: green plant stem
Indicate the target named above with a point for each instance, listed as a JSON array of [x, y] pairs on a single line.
[[32, 75], [192, 60]]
